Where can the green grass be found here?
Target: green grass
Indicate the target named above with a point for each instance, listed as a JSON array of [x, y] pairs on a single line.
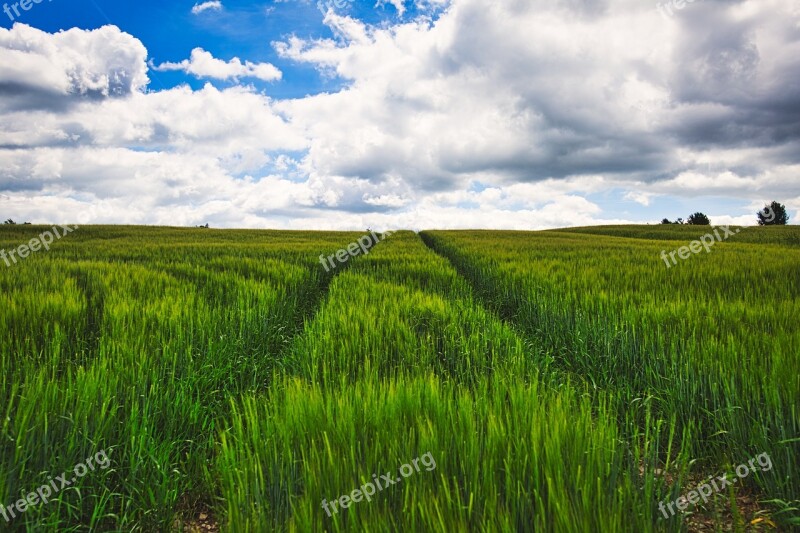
[[711, 343], [779, 235], [133, 340], [390, 370], [553, 376]]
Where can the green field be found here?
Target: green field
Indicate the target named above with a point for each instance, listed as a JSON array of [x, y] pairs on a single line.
[[559, 381]]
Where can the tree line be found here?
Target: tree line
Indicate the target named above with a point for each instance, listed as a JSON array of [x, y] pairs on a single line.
[[773, 214]]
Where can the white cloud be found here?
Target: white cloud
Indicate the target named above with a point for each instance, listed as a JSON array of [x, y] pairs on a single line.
[[398, 5], [104, 62], [639, 197], [203, 65], [214, 5], [504, 114], [385, 200]]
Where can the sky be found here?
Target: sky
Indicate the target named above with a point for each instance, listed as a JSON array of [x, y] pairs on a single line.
[[419, 114]]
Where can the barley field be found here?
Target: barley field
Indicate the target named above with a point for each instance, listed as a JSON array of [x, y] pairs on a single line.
[[224, 380]]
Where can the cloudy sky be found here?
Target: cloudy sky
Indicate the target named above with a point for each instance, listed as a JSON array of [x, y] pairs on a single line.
[[343, 114]]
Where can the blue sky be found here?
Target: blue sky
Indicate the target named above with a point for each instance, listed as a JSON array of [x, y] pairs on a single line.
[[244, 29], [404, 113], [170, 31]]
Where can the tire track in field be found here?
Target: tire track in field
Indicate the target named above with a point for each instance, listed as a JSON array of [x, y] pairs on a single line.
[[505, 311], [94, 292], [281, 324], [312, 297], [563, 356]]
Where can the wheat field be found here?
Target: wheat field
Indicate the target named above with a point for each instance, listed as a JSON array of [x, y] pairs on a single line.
[[536, 381]]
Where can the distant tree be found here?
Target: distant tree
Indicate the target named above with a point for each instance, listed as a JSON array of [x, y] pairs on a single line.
[[698, 219], [773, 214], [666, 221], [679, 221], [9, 221]]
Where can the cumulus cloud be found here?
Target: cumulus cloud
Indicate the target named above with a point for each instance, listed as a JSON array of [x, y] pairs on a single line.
[[203, 65], [214, 5], [525, 92], [504, 114], [399, 5], [38, 69], [639, 197]]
